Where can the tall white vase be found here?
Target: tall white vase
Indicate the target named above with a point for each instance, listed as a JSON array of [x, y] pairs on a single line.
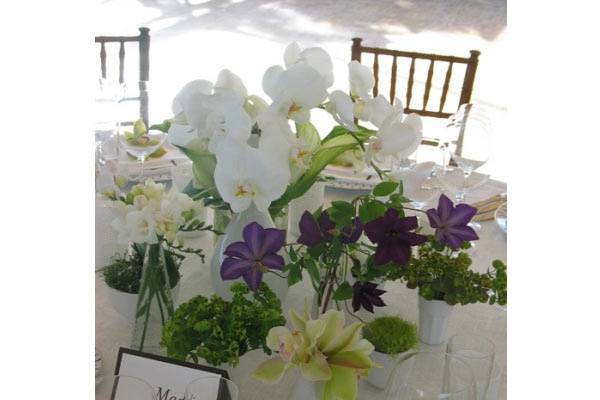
[[311, 201], [433, 320], [233, 233]]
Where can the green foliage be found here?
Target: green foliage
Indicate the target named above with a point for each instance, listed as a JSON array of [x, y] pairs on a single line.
[[220, 331], [442, 275], [125, 272], [385, 188], [391, 335]]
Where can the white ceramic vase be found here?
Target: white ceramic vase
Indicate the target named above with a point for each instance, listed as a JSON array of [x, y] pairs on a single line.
[[233, 233], [433, 320], [125, 303], [379, 377], [311, 201], [306, 390]]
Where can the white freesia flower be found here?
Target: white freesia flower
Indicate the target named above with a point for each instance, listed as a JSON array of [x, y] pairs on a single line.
[[395, 138], [361, 80], [314, 57], [138, 227], [295, 91], [341, 107], [246, 175]]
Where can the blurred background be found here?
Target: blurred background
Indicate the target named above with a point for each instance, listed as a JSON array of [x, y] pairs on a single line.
[[195, 39]]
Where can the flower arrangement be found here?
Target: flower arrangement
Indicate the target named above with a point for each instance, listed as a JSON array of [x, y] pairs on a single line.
[[334, 252], [391, 334], [150, 218], [324, 350], [245, 150], [220, 331]]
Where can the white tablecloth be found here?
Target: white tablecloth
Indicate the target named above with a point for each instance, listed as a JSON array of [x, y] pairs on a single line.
[[112, 331]]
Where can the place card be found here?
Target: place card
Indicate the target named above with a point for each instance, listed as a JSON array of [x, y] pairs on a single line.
[[167, 376]]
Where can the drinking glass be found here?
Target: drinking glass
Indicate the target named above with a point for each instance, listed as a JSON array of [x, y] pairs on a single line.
[[421, 196], [459, 183], [131, 388], [431, 376], [473, 147], [211, 387], [478, 352], [108, 95], [141, 146]]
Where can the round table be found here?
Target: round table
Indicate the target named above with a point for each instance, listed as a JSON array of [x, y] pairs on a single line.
[[113, 331]]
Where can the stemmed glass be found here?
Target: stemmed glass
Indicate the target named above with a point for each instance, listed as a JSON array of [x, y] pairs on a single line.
[[142, 146], [431, 376], [473, 146], [131, 388], [211, 387], [478, 352]]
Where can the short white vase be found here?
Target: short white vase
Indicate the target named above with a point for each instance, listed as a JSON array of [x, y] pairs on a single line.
[[433, 320], [379, 377], [124, 303], [232, 234]]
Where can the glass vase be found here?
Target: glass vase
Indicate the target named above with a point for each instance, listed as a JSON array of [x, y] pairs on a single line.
[[155, 303], [233, 233]]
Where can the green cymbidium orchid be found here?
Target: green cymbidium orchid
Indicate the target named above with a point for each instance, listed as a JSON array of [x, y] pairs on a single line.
[[324, 351]]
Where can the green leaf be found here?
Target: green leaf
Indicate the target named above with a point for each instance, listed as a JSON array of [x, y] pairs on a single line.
[[341, 213], [385, 188], [343, 292], [371, 210], [363, 133], [322, 157], [293, 255], [307, 132], [313, 270], [294, 274]]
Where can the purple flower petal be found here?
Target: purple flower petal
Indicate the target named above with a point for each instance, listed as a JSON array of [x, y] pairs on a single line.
[[253, 277], [383, 253], [351, 234], [273, 261], [356, 303], [466, 233], [434, 219], [445, 206], [461, 215], [239, 250], [273, 241], [400, 253], [310, 234], [253, 236], [326, 225], [454, 241], [233, 268]]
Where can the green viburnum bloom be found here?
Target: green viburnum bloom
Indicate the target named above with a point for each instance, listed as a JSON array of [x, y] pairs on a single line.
[[324, 351]]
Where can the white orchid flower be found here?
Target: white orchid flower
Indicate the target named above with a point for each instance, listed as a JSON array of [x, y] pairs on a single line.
[[361, 80], [295, 91], [341, 107], [379, 109], [230, 121], [395, 138], [314, 57], [228, 82], [190, 89], [246, 175]]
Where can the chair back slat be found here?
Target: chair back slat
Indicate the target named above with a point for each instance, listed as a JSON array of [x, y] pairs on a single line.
[[446, 86], [393, 85], [467, 84], [103, 60], [121, 61], [376, 73], [143, 40], [411, 78], [428, 84]]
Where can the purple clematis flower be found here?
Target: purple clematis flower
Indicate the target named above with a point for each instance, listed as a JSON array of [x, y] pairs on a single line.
[[450, 223], [393, 237], [313, 233], [254, 255], [366, 295]]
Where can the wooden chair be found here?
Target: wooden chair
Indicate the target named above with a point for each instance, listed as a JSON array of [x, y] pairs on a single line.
[[144, 65], [467, 86]]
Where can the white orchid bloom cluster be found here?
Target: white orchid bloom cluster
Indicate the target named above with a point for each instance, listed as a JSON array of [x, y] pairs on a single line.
[[221, 119], [149, 212]]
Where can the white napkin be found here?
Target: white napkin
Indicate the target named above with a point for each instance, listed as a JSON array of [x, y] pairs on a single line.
[[412, 179]]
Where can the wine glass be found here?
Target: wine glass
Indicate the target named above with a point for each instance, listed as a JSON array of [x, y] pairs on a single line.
[[431, 376], [473, 146], [478, 352], [459, 183], [131, 388], [211, 387], [108, 96], [141, 146]]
